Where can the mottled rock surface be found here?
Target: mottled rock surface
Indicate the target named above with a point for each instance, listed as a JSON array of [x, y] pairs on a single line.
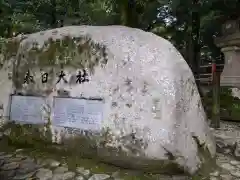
[[152, 112]]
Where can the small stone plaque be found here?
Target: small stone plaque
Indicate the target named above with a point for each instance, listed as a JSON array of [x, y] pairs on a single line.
[[27, 109], [78, 113]]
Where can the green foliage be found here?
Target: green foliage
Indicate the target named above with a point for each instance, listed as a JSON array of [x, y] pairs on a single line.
[[172, 20], [31, 16], [229, 105]]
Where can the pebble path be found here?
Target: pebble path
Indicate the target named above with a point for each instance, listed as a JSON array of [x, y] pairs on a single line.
[[16, 166]]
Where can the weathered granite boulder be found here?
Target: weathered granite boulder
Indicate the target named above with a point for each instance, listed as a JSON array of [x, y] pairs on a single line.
[[152, 118]]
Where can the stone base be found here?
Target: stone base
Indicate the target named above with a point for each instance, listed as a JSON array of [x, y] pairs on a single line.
[[33, 136]]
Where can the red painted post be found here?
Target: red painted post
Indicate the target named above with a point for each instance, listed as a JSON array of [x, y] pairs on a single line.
[[214, 67]]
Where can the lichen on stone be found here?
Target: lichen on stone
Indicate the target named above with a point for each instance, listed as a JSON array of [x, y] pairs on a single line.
[[124, 145], [67, 51], [77, 52], [27, 134], [9, 47]]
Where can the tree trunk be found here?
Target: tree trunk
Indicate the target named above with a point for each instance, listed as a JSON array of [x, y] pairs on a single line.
[[9, 32], [54, 23], [128, 13]]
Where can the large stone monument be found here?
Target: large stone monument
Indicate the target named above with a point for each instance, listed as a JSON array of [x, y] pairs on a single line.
[[128, 93]]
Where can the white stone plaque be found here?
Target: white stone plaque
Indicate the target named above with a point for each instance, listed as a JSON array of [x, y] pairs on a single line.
[[78, 113], [27, 109]]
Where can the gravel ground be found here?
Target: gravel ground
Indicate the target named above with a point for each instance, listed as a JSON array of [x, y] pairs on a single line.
[[16, 165]]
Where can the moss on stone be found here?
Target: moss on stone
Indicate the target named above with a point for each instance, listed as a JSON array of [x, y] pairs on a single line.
[[66, 51], [83, 146], [209, 162], [75, 153], [9, 47], [44, 153], [77, 52], [27, 134]]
